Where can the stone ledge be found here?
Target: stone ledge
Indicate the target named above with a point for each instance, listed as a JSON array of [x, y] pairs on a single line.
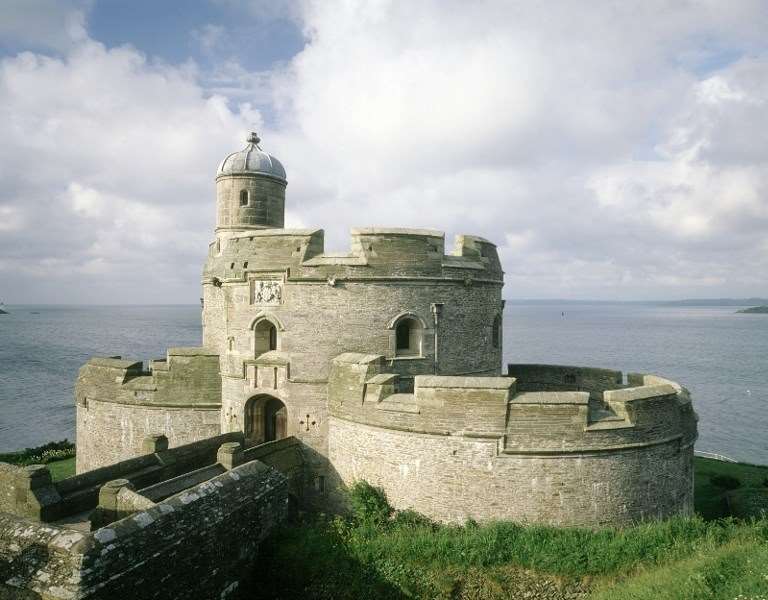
[[463, 382], [397, 231], [593, 450], [191, 351], [580, 398], [639, 393]]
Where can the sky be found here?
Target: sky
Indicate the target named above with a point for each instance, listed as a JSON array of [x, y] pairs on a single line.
[[612, 150]]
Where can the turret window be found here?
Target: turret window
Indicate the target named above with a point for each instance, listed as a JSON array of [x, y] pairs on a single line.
[[244, 198]]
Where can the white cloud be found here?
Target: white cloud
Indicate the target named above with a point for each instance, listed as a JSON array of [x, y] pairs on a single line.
[[595, 139], [108, 161], [612, 150]]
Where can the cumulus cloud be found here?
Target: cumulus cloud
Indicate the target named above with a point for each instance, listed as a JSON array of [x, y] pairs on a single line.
[[612, 150], [107, 179]]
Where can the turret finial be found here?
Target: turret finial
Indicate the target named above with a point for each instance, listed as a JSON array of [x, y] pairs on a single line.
[[254, 138]]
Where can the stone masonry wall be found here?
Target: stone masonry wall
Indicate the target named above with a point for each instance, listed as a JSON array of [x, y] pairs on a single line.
[[331, 304], [475, 447], [454, 478], [266, 206], [119, 404], [108, 432], [199, 543]]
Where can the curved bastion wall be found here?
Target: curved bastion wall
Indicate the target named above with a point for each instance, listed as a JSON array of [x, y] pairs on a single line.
[[119, 404], [546, 444], [322, 305]]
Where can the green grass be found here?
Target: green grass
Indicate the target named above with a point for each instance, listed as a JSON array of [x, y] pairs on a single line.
[[736, 570], [347, 559], [59, 456], [61, 469], [710, 500], [377, 554]]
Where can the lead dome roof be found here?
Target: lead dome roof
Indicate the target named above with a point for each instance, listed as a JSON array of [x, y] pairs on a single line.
[[252, 160]]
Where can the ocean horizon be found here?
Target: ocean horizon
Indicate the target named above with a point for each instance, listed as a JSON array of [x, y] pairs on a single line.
[[717, 354]]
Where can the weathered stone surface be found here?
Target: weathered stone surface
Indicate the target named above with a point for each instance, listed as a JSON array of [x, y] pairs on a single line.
[[462, 448], [119, 405], [142, 549]]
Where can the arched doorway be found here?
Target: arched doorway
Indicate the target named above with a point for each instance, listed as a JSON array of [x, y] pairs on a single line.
[[265, 419]]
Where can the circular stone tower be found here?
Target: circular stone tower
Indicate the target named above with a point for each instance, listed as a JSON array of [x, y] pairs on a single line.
[[250, 191]]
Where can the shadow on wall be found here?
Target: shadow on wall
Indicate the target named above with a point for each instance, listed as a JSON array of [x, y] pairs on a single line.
[[279, 575]]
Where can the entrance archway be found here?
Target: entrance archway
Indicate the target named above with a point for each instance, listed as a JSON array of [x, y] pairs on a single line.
[[265, 419]]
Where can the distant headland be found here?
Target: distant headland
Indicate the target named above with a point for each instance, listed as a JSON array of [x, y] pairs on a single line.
[[755, 310]]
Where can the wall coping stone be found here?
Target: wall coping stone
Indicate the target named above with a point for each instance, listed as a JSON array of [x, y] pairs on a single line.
[[458, 381], [406, 231], [639, 393], [191, 351], [581, 398]]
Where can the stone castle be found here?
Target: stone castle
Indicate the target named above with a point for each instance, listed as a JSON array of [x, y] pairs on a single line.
[[317, 370]]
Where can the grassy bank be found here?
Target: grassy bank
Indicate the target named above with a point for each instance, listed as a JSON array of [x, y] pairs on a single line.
[[59, 456], [714, 500], [382, 554]]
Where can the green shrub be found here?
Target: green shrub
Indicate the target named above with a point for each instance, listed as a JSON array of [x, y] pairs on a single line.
[[746, 503], [50, 452], [726, 482], [411, 518], [369, 504]]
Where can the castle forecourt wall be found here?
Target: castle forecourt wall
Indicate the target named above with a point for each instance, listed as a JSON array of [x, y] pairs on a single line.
[[463, 448], [119, 403]]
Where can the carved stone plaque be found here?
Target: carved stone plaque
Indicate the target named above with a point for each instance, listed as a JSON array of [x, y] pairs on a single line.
[[267, 292]]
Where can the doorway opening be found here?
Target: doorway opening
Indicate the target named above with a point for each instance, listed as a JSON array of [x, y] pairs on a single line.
[[265, 419]]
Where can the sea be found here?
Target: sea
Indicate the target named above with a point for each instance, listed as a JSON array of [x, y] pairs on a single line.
[[719, 355]]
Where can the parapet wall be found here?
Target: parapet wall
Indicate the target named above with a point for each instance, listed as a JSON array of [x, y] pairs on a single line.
[[467, 447], [183, 522], [374, 252], [199, 543], [119, 404]]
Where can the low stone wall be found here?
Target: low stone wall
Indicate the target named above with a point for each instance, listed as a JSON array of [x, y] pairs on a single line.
[[199, 543], [478, 447]]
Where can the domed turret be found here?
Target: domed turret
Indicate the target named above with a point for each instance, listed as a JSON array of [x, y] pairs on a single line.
[[252, 160], [250, 190]]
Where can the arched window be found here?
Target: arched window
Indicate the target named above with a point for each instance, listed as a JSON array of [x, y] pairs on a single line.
[[265, 337], [408, 336], [496, 332], [244, 198]]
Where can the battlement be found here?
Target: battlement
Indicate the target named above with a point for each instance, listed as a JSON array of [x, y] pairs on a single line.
[[549, 409], [550, 444], [187, 376], [374, 252], [118, 399]]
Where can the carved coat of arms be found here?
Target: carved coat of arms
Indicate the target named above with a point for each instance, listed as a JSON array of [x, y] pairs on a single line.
[[267, 292]]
